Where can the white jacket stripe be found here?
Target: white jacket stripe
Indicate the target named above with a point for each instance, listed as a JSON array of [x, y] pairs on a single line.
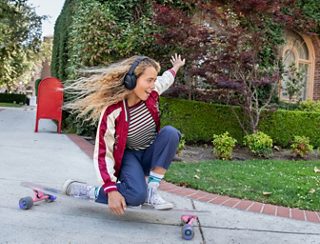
[[109, 141]]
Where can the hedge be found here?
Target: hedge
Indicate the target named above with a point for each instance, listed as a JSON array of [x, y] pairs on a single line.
[[283, 125], [60, 54], [36, 84], [96, 33], [13, 98], [198, 121]]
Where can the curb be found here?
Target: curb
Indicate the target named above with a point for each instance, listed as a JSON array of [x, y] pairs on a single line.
[[240, 204]]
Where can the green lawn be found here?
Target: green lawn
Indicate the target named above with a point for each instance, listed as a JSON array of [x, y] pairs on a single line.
[[10, 105], [291, 183]]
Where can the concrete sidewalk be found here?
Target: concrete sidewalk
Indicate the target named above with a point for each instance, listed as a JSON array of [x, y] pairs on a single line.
[[50, 158]]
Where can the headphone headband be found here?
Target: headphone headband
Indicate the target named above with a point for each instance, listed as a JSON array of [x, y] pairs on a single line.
[[135, 64], [130, 78]]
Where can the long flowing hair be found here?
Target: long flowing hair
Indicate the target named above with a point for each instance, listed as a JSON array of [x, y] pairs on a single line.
[[90, 95]]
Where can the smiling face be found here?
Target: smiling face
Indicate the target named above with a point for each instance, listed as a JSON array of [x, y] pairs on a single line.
[[145, 85]]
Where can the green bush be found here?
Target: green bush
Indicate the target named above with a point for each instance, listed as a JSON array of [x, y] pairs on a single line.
[[97, 33], [36, 85], [198, 121], [301, 146], [259, 143], [310, 106], [182, 144], [282, 125], [13, 98], [223, 145]]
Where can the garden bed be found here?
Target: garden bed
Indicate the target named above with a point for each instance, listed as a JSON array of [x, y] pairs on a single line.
[[196, 153]]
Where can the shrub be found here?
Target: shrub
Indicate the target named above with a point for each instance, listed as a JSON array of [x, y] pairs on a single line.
[[13, 98], [310, 106], [223, 145], [182, 144], [259, 143], [198, 121], [301, 146], [282, 125], [36, 85]]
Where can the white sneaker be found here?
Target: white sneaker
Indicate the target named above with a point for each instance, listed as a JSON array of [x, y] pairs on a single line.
[[154, 199], [78, 189]]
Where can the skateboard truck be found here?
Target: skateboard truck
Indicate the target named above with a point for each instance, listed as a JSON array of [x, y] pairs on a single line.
[[27, 202], [187, 229]]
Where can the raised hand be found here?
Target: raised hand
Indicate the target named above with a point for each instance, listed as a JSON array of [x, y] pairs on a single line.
[[177, 62]]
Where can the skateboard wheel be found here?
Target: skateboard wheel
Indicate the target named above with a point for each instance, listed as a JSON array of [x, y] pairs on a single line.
[[51, 198], [187, 232], [26, 203]]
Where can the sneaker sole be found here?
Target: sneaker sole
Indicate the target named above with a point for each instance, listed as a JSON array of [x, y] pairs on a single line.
[[165, 207], [161, 207]]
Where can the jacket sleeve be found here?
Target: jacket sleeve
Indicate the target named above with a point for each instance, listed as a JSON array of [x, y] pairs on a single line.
[[103, 152], [165, 81]]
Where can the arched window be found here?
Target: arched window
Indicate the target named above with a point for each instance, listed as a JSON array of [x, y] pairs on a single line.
[[298, 61]]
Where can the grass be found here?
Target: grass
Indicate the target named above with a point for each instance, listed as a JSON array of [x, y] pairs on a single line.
[[289, 183], [10, 105]]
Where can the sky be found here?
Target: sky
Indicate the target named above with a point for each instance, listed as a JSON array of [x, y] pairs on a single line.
[[52, 9]]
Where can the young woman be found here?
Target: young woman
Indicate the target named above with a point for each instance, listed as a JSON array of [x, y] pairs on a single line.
[[131, 153]]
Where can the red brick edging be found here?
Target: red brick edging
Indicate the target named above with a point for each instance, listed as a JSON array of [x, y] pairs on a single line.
[[245, 205], [84, 145]]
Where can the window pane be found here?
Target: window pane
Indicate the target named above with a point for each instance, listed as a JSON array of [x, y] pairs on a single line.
[[303, 69], [297, 42], [289, 58]]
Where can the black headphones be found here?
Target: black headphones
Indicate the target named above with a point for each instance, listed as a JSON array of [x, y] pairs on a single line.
[[130, 79]]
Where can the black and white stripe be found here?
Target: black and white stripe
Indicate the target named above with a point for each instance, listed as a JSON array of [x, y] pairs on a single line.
[[142, 128]]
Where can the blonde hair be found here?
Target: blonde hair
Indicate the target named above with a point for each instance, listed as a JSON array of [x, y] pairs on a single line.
[[89, 96]]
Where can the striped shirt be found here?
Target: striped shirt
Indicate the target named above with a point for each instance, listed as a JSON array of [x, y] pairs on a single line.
[[142, 128]]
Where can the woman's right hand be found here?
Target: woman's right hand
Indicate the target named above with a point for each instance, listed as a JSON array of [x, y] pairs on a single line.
[[116, 203]]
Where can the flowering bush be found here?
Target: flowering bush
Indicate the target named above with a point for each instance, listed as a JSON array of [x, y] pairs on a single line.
[[223, 145], [182, 144], [259, 144], [301, 146]]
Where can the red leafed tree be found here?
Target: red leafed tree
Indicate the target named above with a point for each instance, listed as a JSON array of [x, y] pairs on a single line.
[[232, 46]]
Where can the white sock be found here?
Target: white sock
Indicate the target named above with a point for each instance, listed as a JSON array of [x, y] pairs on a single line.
[[154, 179]]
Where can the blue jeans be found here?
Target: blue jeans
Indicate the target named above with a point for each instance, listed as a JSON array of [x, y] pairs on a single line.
[[137, 164]]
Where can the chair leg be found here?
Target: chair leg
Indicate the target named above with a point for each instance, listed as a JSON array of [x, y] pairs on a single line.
[[59, 126], [36, 128]]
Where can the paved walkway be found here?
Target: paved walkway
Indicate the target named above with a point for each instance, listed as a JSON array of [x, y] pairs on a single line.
[[50, 158]]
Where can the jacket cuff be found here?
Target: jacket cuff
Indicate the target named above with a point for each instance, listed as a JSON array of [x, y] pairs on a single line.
[[110, 187], [172, 72]]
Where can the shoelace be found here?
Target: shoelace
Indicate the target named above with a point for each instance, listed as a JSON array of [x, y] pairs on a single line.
[[154, 197], [81, 190]]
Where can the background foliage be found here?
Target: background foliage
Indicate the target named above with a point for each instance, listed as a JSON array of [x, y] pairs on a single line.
[[218, 39], [20, 39], [198, 121]]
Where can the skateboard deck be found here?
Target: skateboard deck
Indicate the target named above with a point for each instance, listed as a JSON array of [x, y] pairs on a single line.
[[49, 194]]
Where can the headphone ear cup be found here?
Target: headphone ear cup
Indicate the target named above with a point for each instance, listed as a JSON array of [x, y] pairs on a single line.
[[130, 81]]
